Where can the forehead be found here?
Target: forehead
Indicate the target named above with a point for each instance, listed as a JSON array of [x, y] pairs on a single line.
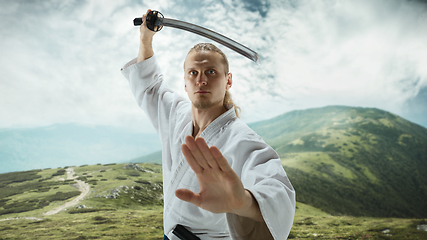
[[203, 59]]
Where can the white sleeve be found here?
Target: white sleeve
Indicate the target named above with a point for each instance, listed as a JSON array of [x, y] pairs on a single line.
[[263, 175], [152, 95]]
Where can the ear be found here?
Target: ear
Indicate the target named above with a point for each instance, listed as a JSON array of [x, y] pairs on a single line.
[[229, 81]]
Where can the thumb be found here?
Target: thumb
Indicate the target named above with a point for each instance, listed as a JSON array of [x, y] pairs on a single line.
[[188, 196]]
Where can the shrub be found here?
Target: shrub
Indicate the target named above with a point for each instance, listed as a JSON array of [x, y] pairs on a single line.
[[7, 178], [83, 210], [43, 189], [59, 172], [133, 173], [87, 210], [142, 181], [109, 164], [82, 179], [93, 182]]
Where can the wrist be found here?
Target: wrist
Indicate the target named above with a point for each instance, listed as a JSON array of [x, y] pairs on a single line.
[[250, 208], [145, 51]]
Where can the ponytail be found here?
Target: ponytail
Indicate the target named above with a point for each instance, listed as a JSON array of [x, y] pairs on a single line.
[[228, 102]]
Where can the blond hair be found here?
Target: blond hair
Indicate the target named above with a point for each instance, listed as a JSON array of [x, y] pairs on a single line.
[[210, 47]]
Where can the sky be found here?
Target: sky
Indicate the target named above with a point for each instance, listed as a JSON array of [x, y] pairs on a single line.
[[60, 60]]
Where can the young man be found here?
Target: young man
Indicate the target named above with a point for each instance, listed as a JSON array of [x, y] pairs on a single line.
[[220, 179]]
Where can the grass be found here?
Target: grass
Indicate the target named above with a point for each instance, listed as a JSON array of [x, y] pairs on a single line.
[[310, 161], [312, 223], [146, 222], [128, 218], [143, 223]]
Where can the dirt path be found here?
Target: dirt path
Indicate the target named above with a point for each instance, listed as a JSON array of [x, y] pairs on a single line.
[[82, 186]]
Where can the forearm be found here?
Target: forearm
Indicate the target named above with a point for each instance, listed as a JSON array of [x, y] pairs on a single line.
[[251, 210], [145, 41], [145, 50]]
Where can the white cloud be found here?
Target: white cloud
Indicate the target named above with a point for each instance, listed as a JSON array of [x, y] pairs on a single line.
[[60, 61], [352, 52]]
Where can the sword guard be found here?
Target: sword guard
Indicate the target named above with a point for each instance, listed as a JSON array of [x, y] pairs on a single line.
[[153, 21]]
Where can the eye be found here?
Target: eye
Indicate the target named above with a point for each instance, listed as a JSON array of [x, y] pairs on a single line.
[[211, 72], [193, 72]]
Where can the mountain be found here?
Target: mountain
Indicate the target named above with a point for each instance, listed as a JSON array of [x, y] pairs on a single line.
[[352, 161], [71, 144]]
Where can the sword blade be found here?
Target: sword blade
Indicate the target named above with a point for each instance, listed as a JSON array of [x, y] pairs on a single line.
[[204, 32]]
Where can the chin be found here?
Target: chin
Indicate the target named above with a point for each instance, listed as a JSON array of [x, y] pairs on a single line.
[[202, 104], [206, 103]]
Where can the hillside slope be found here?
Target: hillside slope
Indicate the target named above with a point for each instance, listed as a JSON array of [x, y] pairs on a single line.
[[352, 161]]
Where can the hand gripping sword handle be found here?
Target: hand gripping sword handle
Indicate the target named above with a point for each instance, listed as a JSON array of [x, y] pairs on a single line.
[[153, 21]]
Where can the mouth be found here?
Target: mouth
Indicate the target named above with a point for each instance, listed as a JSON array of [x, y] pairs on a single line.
[[202, 92]]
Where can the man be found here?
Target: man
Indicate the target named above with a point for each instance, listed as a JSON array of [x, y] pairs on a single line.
[[220, 179]]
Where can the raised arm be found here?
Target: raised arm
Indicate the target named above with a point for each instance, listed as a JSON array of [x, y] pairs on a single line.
[[146, 41]]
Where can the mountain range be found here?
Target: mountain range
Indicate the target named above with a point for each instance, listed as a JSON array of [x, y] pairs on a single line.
[[342, 160]]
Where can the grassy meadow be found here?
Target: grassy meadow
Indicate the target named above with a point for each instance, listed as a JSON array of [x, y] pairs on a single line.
[[125, 202]]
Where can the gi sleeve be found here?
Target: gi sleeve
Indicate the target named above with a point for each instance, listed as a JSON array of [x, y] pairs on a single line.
[[263, 175], [152, 95]]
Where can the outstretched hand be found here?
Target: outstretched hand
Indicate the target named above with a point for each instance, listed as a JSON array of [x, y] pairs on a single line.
[[221, 190]]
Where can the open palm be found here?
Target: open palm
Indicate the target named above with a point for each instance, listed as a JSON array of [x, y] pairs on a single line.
[[221, 190]]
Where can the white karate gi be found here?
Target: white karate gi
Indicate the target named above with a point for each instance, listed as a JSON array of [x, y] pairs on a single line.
[[255, 162]]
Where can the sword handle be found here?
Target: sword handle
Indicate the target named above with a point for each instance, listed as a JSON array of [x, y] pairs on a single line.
[[152, 21]]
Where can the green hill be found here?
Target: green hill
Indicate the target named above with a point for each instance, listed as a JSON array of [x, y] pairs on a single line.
[[352, 161]]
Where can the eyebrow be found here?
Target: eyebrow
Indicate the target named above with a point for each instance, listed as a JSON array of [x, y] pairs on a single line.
[[209, 67]]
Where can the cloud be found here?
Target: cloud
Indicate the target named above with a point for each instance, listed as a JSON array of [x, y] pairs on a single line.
[[64, 61], [358, 53], [61, 59]]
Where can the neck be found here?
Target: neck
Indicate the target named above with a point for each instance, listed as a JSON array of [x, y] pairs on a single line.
[[203, 117]]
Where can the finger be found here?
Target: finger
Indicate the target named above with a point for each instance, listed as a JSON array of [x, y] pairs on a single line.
[[206, 152], [143, 19], [195, 151], [145, 15], [188, 196], [220, 159], [190, 159]]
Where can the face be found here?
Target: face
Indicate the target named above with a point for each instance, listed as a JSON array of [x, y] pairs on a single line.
[[205, 79]]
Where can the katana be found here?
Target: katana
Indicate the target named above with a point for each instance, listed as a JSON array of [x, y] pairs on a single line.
[[155, 22]]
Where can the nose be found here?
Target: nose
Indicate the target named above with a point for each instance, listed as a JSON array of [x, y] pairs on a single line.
[[202, 80]]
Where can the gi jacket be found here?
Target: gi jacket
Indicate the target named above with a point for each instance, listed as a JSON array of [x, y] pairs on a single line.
[[255, 162]]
